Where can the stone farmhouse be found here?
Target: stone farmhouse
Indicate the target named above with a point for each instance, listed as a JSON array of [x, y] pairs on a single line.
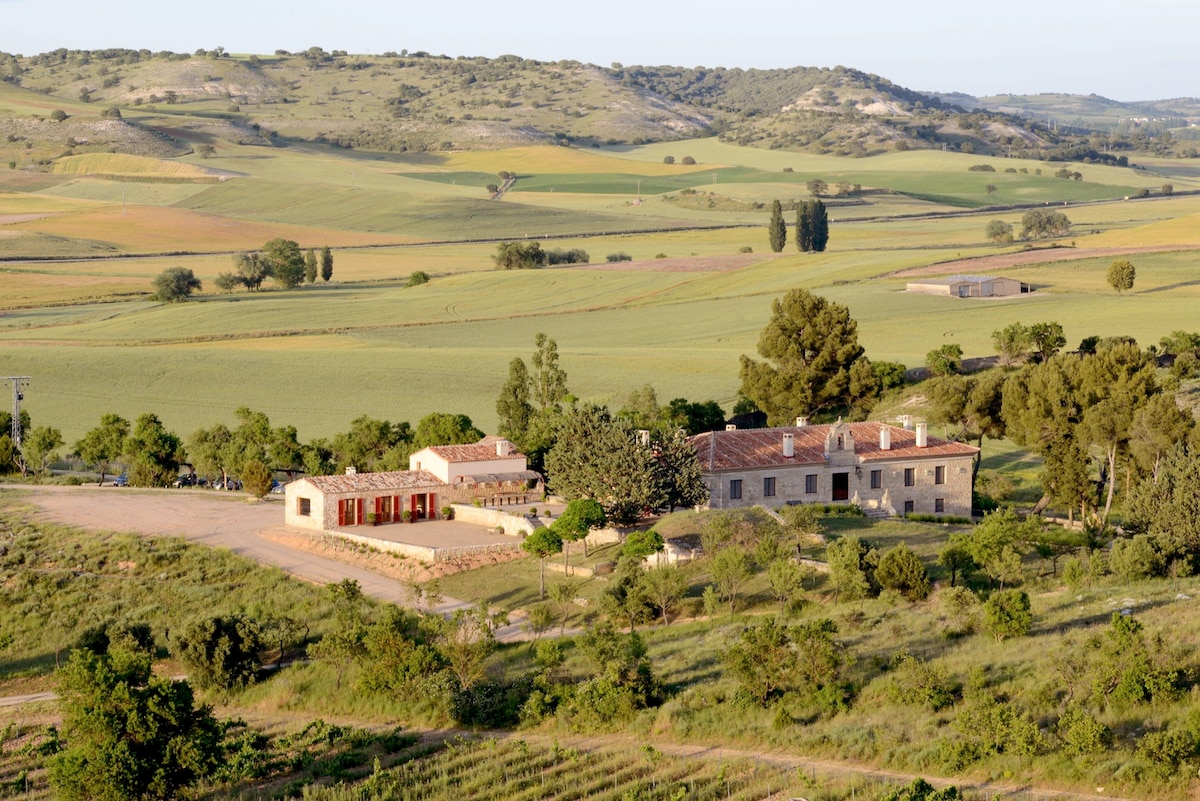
[[491, 471], [886, 470], [969, 286], [324, 503]]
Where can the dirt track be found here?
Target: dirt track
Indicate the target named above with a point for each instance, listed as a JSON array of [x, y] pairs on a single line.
[[984, 264]]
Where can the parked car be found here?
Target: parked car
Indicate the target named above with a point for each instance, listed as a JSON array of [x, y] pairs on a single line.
[[276, 487], [189, 480], [230, 483], [121, 480]]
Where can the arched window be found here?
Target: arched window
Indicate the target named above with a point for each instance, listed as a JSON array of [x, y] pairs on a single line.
[[841, 443]]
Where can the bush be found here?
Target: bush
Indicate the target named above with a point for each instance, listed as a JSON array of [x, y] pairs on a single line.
[[417, 278], [745, 249], [1007, 614], [668, 159], [1135, 558], [256, 478], [981, 168], [917, 683], [616, 257], [688, 160], [902, 570], [220, 652]]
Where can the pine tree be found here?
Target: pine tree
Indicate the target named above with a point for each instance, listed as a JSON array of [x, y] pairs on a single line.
[[512, 406], [777, 228], [803, 227], [326, 263]]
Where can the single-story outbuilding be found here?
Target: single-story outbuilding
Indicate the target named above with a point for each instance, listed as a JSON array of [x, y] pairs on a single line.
[[884, 469], [969, 286], [357, 499]]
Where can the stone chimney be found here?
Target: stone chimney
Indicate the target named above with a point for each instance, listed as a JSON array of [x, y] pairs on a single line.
[[922, 435], [351, 470], [801, 422], [789, 445], [885, 438], [730, 427], [503, 447], [906, 422]]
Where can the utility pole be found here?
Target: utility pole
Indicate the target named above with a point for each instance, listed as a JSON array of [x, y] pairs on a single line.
[[17, 381]]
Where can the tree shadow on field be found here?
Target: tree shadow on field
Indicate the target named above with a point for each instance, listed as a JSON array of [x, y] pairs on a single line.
[[1098, 619], [40, 663], [1167, 287]]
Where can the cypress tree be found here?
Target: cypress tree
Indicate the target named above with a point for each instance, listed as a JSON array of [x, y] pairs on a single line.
[[310, 266], [777, 228], [803, 227], [820, 226], [326, 263]]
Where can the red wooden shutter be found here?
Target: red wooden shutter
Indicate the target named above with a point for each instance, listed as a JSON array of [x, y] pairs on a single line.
[[431, 512], [360, 516], [341, 513]]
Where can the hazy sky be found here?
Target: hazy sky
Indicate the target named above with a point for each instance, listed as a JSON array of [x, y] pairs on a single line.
[[1123, 50]]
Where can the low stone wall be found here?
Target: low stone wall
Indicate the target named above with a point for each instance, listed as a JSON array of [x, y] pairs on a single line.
[[426, 553], [513, 525]]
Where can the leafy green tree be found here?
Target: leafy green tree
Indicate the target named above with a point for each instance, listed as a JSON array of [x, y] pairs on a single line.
[[851, 568], [175, 284], [810, 344], [1121, 275], [129, 733], [1166, 506], [665, 587], [1012, 343], [601, 458], [787, 582], [519, 256], [220, 652], [817, 187], [1080, 733], [1157, 427], [284, 261], [104, 444], [695, 417], [397, 654], [956, 557], [310, 266], [465, 641], [764, 662], [1007, 614], [1044, 223], [416, 278], [543, 542], [731, 569], [973, 404], [512, 406], [206, 447], [678, 469], [998, 231], [326, 264], [549, 380], [902, 570], [777, 228], [372, 445], [442, 428], [252, 270], [993, 544], [1047, 339], [40, 448], [640, 544], [945, 360], [576, 522], [153, 452], [256, 478], [1126, 668]]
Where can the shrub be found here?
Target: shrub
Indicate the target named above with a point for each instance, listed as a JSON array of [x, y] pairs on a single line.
[[668, 159], [981, 168], [688, 160], [447, 512], [917, 683], [745, 249], [902, 570], [616, 257], [1007, 614], [1080, 732], [256, 478], [1135, 558], [220, 652], [417, 278]]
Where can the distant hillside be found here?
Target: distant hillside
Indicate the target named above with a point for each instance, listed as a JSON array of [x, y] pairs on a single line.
[[404, 102]]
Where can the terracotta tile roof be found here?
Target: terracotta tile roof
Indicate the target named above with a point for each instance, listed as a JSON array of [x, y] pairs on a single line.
[[376, 482], [479, 452], [763, 447]]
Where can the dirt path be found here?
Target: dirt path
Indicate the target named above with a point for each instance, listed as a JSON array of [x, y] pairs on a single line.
[[981, 265], [230, 520]]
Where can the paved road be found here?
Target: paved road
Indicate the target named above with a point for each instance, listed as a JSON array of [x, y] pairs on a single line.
[[218, 520]]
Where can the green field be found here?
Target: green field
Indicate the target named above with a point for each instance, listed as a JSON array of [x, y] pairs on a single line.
[[318, 356]]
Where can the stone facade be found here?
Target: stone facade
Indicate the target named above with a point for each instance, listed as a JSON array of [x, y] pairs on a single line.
[[492, 471], [325, 503], [883, 469]]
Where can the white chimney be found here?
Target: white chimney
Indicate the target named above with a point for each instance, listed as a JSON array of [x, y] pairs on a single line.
[[503, 447], [789, 445], [885, 438], [922, 434], [906, 422], [643, 436], [351, 470], [801, 422], [730, 427]]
